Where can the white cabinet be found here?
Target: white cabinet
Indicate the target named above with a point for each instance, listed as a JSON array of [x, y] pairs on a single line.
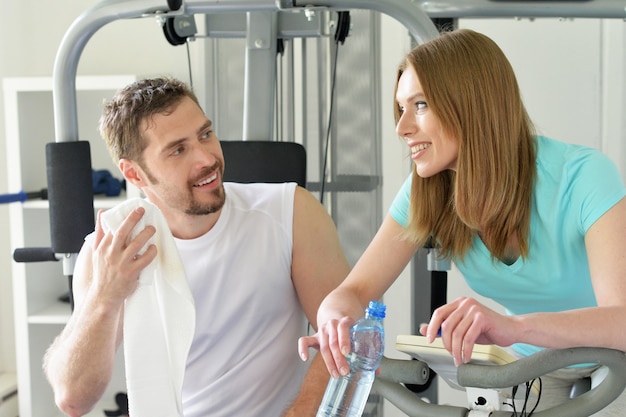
[[39, 315]]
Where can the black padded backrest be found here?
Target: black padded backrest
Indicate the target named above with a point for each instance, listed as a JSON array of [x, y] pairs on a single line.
[[264, 161]]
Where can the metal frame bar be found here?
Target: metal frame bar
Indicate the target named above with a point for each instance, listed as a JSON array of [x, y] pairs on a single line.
[[412, 14], [389, 382], [64, 90], [260, 75], [609, 9]]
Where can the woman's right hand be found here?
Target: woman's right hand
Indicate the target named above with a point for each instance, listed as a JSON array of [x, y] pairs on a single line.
[[333, 342]]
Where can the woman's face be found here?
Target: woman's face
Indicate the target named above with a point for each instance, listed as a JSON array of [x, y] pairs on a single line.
[[432, 150]]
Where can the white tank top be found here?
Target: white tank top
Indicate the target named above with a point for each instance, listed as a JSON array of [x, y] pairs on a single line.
[[243, 361]]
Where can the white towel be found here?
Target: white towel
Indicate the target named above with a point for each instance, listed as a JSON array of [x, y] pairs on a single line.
[[159, 320]]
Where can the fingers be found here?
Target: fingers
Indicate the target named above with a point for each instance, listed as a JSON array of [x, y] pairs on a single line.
[[461, 323], [306, 342], [119, 257], [458, 341], [134, 248], [344, 330], [332, 340], [121, 244], [122, 236], [431, 330], [341, 346], [471, 335], [99, 231], [329, 347], [146, 257]]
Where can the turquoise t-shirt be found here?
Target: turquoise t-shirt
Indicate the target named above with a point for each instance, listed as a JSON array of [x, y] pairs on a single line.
[[575, 186]]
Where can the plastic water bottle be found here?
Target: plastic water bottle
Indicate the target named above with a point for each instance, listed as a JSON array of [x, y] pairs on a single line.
[[347, 395]]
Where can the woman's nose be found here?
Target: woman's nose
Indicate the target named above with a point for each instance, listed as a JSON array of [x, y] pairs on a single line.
[[406, 125]]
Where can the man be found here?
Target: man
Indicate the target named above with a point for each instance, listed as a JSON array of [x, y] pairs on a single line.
[[268, 254]]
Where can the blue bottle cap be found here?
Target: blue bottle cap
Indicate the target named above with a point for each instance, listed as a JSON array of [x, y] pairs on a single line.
[[376, 309]]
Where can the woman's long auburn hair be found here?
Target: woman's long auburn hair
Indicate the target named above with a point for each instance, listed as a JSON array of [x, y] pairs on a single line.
[[470, 86]]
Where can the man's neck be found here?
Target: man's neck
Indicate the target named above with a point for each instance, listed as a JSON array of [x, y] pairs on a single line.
[[191, 226], [187, 226]]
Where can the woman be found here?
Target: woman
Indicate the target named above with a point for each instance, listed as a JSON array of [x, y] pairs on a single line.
[[535, 224]]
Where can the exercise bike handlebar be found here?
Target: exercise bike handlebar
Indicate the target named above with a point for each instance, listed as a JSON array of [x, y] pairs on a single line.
[[388, 382]]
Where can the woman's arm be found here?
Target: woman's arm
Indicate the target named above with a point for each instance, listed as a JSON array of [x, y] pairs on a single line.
[[465, 322], [379, 266]]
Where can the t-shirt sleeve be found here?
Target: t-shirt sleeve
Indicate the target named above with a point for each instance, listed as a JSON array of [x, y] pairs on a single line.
[[596, 186], [399, 209]]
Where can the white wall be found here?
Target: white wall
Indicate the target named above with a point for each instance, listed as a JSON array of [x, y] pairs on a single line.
[[29, 37]]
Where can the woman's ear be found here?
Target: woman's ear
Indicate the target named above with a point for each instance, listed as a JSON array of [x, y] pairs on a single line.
[[132, 172]]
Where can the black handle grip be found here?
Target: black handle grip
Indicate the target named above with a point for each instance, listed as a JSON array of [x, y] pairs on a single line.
[[34, 255]]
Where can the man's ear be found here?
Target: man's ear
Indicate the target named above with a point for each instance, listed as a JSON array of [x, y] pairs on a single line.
[[132, 172]]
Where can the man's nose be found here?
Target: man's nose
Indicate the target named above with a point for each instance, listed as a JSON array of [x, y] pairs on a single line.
[[203, 155]]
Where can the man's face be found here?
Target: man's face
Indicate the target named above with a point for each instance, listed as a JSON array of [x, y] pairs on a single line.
[[183, 163]]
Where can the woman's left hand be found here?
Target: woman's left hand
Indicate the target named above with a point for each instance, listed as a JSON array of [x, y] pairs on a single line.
[[465, 322]]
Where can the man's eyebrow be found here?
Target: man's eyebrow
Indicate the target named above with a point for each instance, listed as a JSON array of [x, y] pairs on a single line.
[[174, 144], [205, 126]]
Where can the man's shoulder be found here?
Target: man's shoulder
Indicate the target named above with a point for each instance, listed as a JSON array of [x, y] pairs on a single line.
[[257, 195], [258, 189]]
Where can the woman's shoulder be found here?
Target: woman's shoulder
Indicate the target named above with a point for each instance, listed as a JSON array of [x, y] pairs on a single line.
[[565, 169], [554, 154], [551, 147]]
